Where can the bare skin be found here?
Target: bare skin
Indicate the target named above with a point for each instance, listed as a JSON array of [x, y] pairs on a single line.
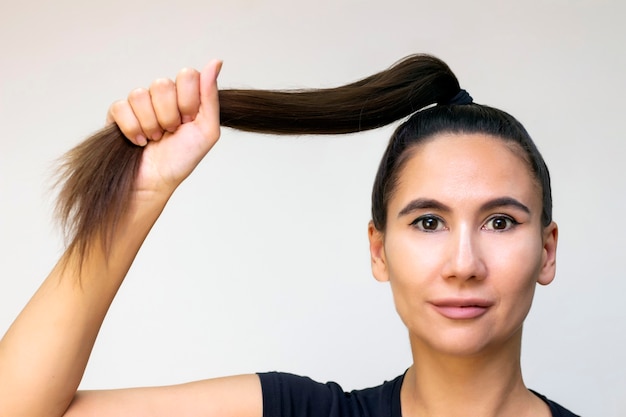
[[464, 367]]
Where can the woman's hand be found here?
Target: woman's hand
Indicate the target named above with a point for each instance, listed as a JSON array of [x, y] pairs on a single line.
[[177, 122]]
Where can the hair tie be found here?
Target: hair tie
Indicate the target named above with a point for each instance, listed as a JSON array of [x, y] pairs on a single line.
[[461, 98]]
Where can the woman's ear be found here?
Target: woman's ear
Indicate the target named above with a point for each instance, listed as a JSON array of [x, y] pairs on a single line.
[[548, 261], [377, 253]]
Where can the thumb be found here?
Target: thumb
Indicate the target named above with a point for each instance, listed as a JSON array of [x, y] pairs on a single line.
[[208, 120]]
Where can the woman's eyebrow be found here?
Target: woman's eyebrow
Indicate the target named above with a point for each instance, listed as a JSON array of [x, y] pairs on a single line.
[[504, 202], [423, 204], [431, 204]]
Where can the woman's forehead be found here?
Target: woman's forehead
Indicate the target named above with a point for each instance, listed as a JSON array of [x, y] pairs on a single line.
[[464, 167]]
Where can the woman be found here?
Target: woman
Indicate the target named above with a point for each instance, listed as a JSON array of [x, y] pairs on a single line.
[[461, 228]]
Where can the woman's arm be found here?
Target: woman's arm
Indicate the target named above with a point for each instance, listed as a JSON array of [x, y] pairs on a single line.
[[44, 353], [234, 396]]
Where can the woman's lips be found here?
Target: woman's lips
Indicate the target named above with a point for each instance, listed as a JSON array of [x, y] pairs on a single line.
[[461, 309]]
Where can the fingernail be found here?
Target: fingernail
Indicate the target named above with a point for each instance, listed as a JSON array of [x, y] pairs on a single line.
[[141, 140], [219, 67], [157, 136], [187, 119]]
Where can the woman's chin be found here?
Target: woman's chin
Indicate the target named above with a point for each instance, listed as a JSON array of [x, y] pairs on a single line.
[[468, 342]]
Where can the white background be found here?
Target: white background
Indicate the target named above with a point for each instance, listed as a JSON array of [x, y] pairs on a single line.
[[260, 261]]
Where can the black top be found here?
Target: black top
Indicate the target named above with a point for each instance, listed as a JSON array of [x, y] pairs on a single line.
[[287, 395]]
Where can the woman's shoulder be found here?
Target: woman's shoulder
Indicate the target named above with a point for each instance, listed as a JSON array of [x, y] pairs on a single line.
[[286, 395], [556, 409]]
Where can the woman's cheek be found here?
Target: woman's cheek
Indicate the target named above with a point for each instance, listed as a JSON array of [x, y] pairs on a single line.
[[414, 257], [414, 264], [514, 268]]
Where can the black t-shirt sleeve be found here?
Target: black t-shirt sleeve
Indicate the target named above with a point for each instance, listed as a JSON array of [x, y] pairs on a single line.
[[287, 395], [556, 409]]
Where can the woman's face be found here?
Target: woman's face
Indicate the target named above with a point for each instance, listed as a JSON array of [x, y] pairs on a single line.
[[464, 246]]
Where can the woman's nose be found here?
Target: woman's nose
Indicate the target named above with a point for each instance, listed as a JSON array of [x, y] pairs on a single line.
[[464, 258]]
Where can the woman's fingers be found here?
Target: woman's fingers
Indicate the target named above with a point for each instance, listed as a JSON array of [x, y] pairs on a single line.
[[208, 119], [165, 104], [188, 93], [140, 101], [122, 114], [147, 114]]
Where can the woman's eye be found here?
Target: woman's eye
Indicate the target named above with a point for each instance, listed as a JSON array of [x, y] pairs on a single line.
[[428, 223], [500, 223]]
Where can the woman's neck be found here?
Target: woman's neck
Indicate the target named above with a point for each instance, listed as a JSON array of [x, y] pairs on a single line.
[[488, 384]]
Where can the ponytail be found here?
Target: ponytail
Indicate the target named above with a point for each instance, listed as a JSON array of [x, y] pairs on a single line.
[[96, 178]]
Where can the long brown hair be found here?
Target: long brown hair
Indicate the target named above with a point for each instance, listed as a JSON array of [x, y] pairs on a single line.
[[96, 178]]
